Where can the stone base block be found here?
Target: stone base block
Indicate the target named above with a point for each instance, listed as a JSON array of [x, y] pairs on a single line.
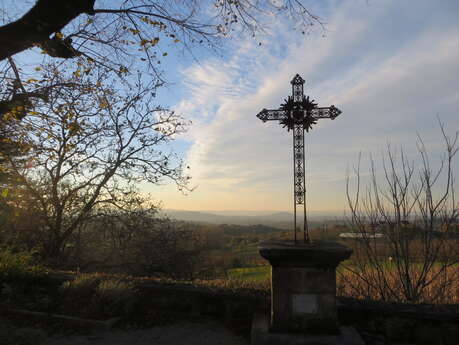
[[262, 336]]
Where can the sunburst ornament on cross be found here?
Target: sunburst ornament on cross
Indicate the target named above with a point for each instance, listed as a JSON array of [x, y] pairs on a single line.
[[299, 113]]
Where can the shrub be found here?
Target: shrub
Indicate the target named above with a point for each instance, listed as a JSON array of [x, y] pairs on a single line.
[[19, 267], [82, 287], [96, 295], [115, 296], [78, 293]]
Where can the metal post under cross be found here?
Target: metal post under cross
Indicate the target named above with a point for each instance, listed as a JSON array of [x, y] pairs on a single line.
[[298, 113]]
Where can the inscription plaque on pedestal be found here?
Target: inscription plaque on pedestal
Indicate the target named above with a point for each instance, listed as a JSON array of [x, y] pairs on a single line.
[[304, 304]]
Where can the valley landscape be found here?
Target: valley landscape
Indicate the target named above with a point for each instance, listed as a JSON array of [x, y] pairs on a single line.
[[159, 160]]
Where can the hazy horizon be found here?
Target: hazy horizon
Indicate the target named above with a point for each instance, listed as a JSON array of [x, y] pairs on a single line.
[[258, 212]]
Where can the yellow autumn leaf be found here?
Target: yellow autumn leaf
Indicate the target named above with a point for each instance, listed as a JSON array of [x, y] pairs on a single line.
[[74, 128], [103, 104], [123, 69]]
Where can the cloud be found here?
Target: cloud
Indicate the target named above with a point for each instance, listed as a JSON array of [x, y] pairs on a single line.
[[390, 68]]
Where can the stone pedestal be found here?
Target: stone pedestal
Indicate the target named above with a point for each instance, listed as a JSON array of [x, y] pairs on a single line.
[[261, 335], [303, 285]]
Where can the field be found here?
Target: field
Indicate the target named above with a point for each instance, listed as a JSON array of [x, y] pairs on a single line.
[[349, 285], [246, 253], [252, 274]]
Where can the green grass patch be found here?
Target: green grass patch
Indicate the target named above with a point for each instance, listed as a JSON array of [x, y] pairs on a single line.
[[248, 250], [258, 273]]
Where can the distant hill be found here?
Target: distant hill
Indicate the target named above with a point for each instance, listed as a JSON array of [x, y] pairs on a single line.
[[205, 217], [281, 220]]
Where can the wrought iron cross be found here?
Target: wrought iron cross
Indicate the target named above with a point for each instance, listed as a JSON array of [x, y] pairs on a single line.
[[298, 113]]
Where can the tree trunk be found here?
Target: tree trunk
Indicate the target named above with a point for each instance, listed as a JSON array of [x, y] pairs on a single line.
[[36, 26]]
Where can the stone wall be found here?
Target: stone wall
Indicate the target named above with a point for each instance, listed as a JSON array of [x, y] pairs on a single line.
[[199, 301], [402, 323], [381, 322]]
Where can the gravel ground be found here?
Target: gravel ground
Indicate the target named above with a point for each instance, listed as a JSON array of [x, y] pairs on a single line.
[[185, 333]]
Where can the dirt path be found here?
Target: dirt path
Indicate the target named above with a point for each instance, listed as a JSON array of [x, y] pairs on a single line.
[[184, 333]]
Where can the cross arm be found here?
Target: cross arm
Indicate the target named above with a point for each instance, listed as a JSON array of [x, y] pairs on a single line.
[[326, 112], [317, 113], [269, 115]]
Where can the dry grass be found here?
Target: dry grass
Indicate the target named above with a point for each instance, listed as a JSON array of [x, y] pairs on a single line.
[[349, 284], [386, 285]]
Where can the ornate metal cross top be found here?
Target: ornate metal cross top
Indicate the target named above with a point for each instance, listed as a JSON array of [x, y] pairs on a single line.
[[299, 113]]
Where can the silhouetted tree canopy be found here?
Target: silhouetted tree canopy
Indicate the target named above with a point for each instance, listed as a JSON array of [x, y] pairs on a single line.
[[107, 22], [118, 34]]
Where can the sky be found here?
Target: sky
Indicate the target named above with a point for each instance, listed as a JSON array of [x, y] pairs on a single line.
[[391, 66]]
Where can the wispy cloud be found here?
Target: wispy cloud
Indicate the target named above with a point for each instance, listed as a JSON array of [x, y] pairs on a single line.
[[390, 67]]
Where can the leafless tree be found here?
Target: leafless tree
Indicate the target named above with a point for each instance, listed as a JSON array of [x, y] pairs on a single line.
[[415, 211], [87, 145]]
